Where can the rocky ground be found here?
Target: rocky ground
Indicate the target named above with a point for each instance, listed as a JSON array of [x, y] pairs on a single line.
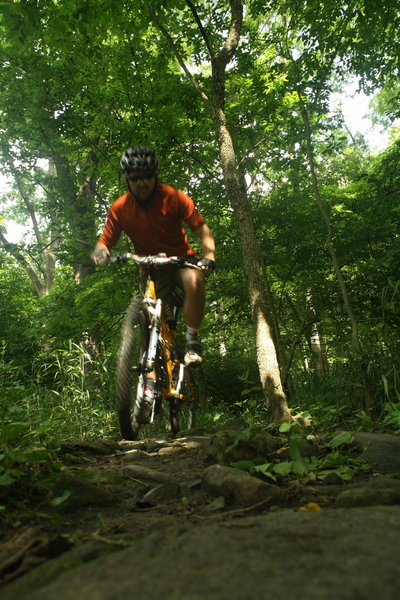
[[167, 518]]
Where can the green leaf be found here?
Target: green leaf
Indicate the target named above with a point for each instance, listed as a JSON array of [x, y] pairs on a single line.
[[243, 465], [283, 468], [60, 499], [285, 427], [294, 450], [12, 431], [299, 466], [10, 476], [265, 470], [344, 438]]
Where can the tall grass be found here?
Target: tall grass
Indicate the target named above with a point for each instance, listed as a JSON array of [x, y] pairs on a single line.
[[69, 395]]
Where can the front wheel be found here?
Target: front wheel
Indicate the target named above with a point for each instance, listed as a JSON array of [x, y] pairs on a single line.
[[134, 343], [183, 410]]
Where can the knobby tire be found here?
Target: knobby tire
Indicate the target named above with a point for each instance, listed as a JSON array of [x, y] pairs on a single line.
[[134, 339], [184, 412]]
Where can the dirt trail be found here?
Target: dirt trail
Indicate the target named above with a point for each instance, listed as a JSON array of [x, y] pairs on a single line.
[[159, 518]]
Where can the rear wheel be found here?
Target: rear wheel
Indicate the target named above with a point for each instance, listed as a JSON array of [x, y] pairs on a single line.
[[134, 343]]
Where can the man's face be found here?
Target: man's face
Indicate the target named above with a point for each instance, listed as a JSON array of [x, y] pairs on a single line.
[[141, 184]]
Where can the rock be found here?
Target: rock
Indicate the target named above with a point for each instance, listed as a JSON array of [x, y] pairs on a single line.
[[308, 450], [58, 565], [217, 504], [128, 446], [380, 450], [145, 474], [155, 446], [383, 481], [368, 497], [72, 492], [96, 447], [332, 479], [327, 488], [100, 476], [27, 550], [195, 441], [134, 456], [235, 424], [162, 493], [239, 488], [193, 483], [198, 431], [171, 450], [226, 446], [331, 554]]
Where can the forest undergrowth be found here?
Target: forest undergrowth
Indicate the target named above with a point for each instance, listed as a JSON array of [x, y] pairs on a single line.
[[71, 397]]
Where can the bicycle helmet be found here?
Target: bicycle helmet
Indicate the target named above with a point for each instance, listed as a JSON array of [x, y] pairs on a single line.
[[139, 159]]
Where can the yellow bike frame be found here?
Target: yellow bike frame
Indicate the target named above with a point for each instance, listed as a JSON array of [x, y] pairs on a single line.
[[168, 335]]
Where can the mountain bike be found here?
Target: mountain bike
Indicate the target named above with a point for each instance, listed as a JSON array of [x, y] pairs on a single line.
[[148, 351]]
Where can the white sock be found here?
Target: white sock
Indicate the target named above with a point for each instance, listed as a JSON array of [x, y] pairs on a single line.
[[191, 333], [150, 387]]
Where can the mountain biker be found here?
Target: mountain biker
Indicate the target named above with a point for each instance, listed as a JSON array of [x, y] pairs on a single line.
[[151, 214]]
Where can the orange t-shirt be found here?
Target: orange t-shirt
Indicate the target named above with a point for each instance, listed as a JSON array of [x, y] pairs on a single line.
[[158, 226]]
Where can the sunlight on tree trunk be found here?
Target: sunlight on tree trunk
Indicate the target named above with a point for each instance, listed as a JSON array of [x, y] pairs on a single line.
[[314, 338], [236, 194]]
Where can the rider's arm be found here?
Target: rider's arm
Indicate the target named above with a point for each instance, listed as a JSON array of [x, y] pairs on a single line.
[[207, 241], [207, 244], [109, 237]]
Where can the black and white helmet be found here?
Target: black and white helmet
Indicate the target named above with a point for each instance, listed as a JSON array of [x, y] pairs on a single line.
[[139, 159]]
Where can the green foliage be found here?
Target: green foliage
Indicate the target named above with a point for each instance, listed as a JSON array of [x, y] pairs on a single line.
[[18, 310], [79, 394], [81, 58], [342, 439], [391, 418], [24, 470], [14, 463], [306, 468], [72, 396]]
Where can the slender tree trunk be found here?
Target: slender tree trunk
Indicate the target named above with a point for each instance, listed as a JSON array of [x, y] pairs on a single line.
[[314, 338], [266, 352], [331, 249], [42, 277], [17, 254], [236, 194], [85, 227], [51, 250], [79, 213]]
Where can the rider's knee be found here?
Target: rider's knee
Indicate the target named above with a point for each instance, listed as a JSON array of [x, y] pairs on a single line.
[[193, 282]]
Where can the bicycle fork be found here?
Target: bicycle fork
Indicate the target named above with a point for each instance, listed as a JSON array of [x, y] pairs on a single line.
[[179, 380], [154, 335], [149, 359]]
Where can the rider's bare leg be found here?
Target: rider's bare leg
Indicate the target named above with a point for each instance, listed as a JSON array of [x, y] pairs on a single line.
[[192, 282]]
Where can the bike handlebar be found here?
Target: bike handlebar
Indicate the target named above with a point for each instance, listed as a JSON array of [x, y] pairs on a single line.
[[180, 261]]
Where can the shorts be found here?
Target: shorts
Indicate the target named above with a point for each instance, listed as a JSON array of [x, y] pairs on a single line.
[[166, 282]]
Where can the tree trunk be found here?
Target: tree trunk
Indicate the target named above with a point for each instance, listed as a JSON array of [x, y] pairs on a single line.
[[265, 347], [236, 194], [331, 249], [16, 253], [314, 337], [79, 213], [42, 277]]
